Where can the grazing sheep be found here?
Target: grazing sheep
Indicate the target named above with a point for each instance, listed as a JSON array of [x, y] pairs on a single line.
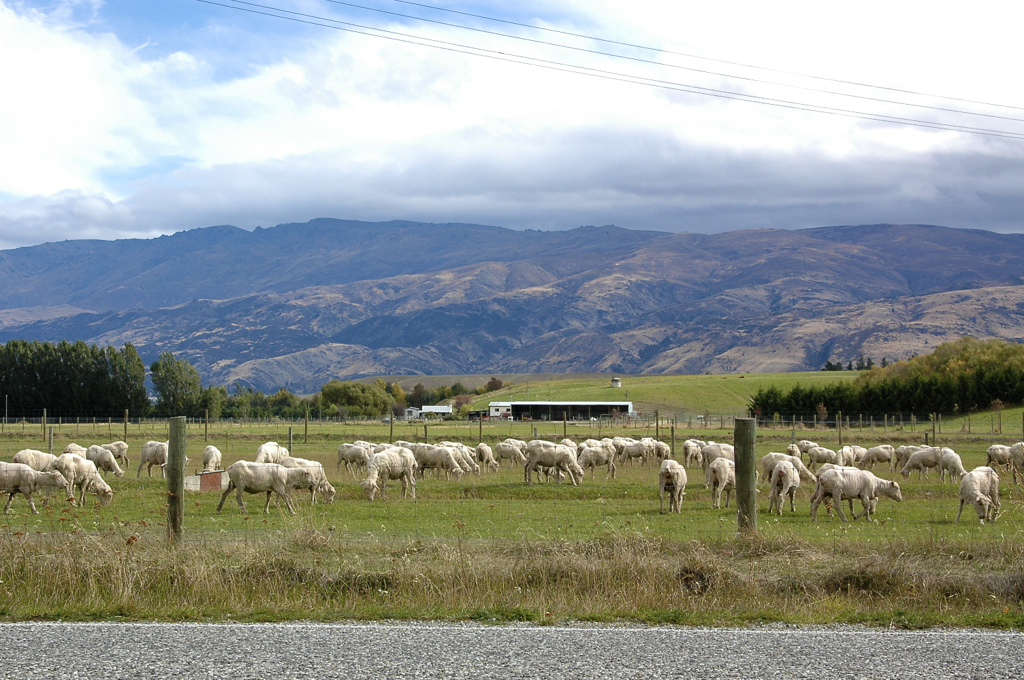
[[662, 451], [594, 457], [82, 473], [671, 480], [903, 453], [850, 455], [509, 451], [353, 456], [248, 477], [40, 461], [713, 451], [770, 460], [76, 449], [819, 455], [436, 458], [828, 501], [877, 454], [635, 449], [922, 460], [692, 456], [721, 477], [465, 456], [119, 449], [785, 479], [485, 456], [980, 487], [104, 460], [571, 444], [518, 443], [849, 483], [949, 461], [211, 459], [393, 463], [319, 479], [805, 445], [18, 478], [153, 453], [547, 454], [1017, 461], [271, 452]]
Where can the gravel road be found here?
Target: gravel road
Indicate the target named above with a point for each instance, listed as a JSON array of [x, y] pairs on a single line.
[[432, 650]]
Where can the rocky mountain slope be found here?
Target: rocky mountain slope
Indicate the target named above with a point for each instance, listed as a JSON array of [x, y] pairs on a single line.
[[298, 304]]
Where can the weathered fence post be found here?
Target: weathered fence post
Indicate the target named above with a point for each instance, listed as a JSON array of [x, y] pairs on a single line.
[[51, 440], [44, 423], [839, 428], [391, 436], [305, 435], [206, 425], [564, 432], [126, 424], [745, 440], [290, 447], [175, 478]]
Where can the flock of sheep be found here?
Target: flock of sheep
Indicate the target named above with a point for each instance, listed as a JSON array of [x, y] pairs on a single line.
[[842, 475]]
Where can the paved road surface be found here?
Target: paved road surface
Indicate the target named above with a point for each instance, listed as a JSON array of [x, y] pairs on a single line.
[[309, 650]]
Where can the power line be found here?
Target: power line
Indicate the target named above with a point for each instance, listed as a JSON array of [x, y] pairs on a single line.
[[665, 65], [712, 59], [396, 36]]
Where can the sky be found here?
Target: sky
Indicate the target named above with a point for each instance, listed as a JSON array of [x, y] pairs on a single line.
[[123, 119]]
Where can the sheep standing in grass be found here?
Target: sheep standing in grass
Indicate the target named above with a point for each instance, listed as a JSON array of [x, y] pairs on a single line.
[[211, 459], [153, 453], [75, 449], [82, 473], [430, 457], [692, 456], [119, 449], [540, 453], [819, 455], [353, 456], [922, 460], [40, 461], [903, 453], [104, 460], [848, 483], [594, 457], [950, 462], [770, 460], [485, 456], [711, 452], [247, 477], [721, 477], [877, 454], [18, 478], [509, 451], [805, 445], [271, 452], [980, 488], [1017, 461], [465, 456], [319, 478], [671, 480], [785, 480], [394, 463], [828, 501]]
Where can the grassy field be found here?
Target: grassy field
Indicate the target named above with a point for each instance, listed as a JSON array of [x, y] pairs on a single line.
[[671, 395], [494, 548]]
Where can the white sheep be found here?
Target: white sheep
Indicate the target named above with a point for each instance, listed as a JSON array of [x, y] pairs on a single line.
[[692, 456], [319, 477], [394, 463], [712, 452], [271, 452], [849, 483], [548, 454], [485, 456], [1017, 461], [770, 460], [104, 459], [949, 461], [721, 477], [212, 458], [437, 458], [119, 449], [82, 473], [785, 479], [18, 478], [818, 455], [922, 460], [353, 456], [636, 449], [671, 480], [76, 449], [980, 487], [877, 454], [40, 461], [464, 455], [509, 451], [594, 457], [153, 453], [903, 453], [248, 477]]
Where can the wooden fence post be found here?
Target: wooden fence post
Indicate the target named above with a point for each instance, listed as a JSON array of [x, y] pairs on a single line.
[[745, 441], [126, 424], [175, 478]]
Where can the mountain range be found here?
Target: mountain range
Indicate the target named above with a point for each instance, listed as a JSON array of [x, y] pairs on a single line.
[[298, 304]]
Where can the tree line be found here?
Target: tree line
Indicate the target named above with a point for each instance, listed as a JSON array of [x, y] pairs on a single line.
[[958, 377]]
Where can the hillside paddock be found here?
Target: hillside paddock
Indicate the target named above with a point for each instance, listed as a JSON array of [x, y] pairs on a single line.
[[491, 548]]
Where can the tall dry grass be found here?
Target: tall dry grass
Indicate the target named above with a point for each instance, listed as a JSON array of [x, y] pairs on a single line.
[[310, 573]]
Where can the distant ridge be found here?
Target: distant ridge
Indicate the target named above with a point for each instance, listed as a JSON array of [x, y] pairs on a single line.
[[297, 304]]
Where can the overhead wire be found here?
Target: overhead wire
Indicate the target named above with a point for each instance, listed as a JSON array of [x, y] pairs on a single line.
[[396, 36], [705, 58], [674, 66]]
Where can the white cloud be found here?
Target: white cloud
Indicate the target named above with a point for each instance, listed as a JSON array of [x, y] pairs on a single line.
[[105, 142]]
